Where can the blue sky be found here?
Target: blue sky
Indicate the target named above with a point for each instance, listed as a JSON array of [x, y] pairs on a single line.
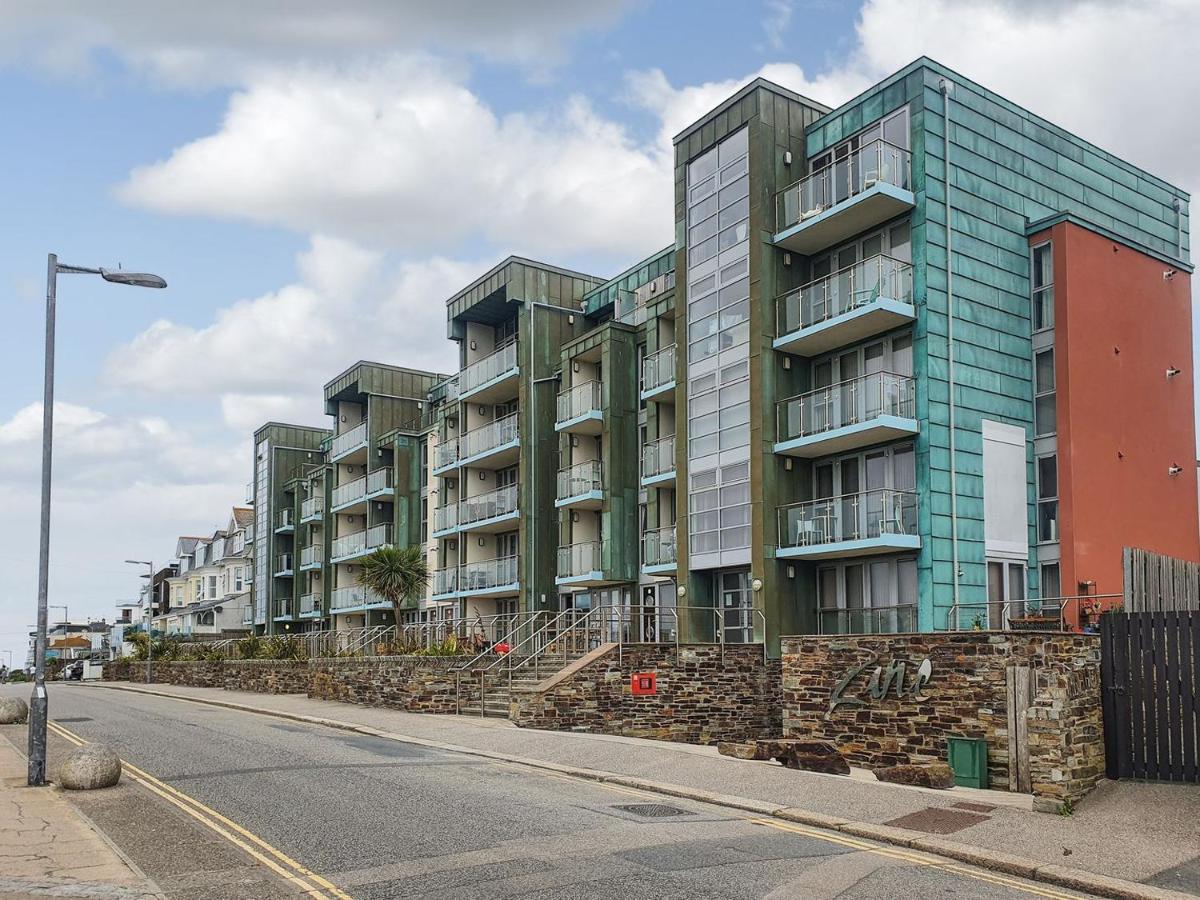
[[313, 190]]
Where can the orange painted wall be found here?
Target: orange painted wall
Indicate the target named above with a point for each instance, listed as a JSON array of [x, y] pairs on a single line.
[[1121, 422]]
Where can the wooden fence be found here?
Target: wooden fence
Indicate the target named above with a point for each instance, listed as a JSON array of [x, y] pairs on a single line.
[[1157, 583]]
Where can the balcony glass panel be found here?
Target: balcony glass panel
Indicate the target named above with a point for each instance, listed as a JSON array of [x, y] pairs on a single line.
[[658, 547], [445, 581], [284, 518], [283, 606], [851, 517], [489, 437], [445, 517], [350, 597], [581, 478], [350, 491], [312, 555], [283, 562], [379, 480], [492, 573], [348, 440], [488, 506], [488, 368], [579, 401], [658, 457], [658, 368], [447, 453], [349, 544], [879, 620], [848, 403], [309, 603], [379, 536], [312, 507], [579, 559], [843, 291], [842, 179]]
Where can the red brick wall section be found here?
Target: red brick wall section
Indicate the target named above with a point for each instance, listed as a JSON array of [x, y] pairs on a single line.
[[966, 696], [702, 696]]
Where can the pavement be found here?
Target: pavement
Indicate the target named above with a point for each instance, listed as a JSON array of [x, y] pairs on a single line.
[[1123, 834], [48, 848]]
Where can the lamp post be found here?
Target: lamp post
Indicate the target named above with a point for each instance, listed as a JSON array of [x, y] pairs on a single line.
[[38, 706], [149, 610]]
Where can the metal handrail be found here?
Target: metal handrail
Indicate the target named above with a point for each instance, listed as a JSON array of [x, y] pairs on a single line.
[[483, 370], [1030, 604], [848, 402], [351, 437], [658, 368], [843, 290], [892, 164]]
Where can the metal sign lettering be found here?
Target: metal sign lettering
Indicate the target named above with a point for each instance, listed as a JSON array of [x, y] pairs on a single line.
[[892, 678]]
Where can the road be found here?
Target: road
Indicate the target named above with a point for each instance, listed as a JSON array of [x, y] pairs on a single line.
[[383, 819]]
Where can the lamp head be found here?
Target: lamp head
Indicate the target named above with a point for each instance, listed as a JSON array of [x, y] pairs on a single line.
[[137, 279]]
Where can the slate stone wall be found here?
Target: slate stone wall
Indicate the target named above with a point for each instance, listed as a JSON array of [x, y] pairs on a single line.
[[702, 696], [966, 696]]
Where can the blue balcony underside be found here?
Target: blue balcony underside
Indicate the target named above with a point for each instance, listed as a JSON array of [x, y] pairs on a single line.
[[659, 569], [284, 573], [365, 551], [660, 478], [381, 493], [849, 437], [587, 579], [498, 590], [497, 388], [310, 567], [871, 318], [656, 392], [361, 608], [448, 595], [495, 457], [586, 500], [447, 469], [495, 523], [284, 618], [445, 532], [884, 543], [311, 614], [350, 451], [591, 422], [854, 215]]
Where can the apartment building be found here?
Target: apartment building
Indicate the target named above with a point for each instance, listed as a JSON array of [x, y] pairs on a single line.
[[208, 587]]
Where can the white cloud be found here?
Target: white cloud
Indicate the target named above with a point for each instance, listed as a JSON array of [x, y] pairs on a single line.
[[405, 156], [26, 423], [225, 41], [776, 21]]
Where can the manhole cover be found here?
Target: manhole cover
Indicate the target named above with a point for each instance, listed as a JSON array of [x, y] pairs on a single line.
[[934, 820], [75, 719], [652, 810]]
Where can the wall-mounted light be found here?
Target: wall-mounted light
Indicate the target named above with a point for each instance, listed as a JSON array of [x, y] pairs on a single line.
[[756, 584], [571, 319], [482, 475], [482, 410], [1174, 470], [787, 363], [787, 157], [787, 259], [1169, 274], [575, 366], [791, 571], [1172, 371], [574, 516], [787, 464], [471, 344], [681, 591]]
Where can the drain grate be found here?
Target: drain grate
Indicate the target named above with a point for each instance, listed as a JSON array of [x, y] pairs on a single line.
[[652, 810], [75, 719]]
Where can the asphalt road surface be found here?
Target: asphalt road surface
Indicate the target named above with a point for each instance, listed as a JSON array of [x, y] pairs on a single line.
[[381, 819]]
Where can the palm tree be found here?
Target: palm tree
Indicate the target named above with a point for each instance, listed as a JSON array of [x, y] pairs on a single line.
[[397, 574]]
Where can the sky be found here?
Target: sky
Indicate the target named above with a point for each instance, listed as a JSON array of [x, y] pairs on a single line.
[[314, 180]]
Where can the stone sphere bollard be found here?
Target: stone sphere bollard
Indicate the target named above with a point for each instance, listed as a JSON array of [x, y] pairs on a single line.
[[89, 767], [13, 711]]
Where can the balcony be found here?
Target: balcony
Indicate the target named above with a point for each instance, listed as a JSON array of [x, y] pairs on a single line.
[[581, 486], [349, 442], [312, 557], [312, 509], [283, 565], [379, 484], [445, 457], [581, 564], [492, 378], [659, 551], [497, 443], [845, 198], [285, 521], [494, 511], [310, 606], [247, 615], [900, 619], [445, 583], [348, 546], [852, 304], [856, 413], [445, 520], [350, 495], [250, 493], [658, 462], [862, 524], [658, 375], [354, 598], [282, 608], [488, 578], [580, 409]]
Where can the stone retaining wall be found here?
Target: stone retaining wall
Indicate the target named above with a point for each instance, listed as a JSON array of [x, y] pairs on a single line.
[[702, 696], [966, 696]]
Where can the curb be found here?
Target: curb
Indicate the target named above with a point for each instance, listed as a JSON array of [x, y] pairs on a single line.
[[997, 861]]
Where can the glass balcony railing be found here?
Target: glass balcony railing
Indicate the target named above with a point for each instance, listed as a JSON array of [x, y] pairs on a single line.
[[899, 619], [489, 437], [250, 492], [488, 574], [348, 440], [579, 400], [309, 604], [843, 291], [658, 457], [490, 367], [579, 559], [851, 517], [445, 581], [658, 547], [283, 607], [658, 368], [312, 507], [379, 536], [283, 562], [481, 507], [842, 179], [848, 403], [379, 480], [447, 453], [581, 478], [353, 596], [445, 517], [311, 556], [348, 544], [350, 491], [285, 519], [247, 615]]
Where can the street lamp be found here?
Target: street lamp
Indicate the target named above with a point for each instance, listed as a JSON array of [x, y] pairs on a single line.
[[38, 706], [149, 610]]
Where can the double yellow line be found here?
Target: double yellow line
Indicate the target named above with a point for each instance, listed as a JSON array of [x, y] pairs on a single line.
[[309, 882]]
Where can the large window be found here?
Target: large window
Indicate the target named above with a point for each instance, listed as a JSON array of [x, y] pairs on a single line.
[[719, 507], [1042, 284], [1006, 595], [869, 597], [1051, 581], [1047, 498], [1045, 412]]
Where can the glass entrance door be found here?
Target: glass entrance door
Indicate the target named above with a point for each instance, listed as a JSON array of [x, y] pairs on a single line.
[[736, 606]]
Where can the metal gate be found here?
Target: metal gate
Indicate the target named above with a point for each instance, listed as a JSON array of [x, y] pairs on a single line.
[[1150, 674]]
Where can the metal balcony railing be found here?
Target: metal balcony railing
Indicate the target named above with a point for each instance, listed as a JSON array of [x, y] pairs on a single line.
[[446, 454], [445, 581], [658, 547], [445, 517], [285, 518], [312, 555], [283, 606], [487, 574], [898, 619], [379, 480], [842, 291], [848, 403], [348, 440], [379, 536], [489, 437], [283, 562], [850, 517], [348, 544], [350, 597], [581, 478], [491, 366], [309, 604], [312, 507], [350, 491], [579, 559], [842, 179], [579, 400], [658, 457], [658, 368], [499, 502]]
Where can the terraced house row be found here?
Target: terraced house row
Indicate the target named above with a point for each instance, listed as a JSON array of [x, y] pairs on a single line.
[[920, 362]]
